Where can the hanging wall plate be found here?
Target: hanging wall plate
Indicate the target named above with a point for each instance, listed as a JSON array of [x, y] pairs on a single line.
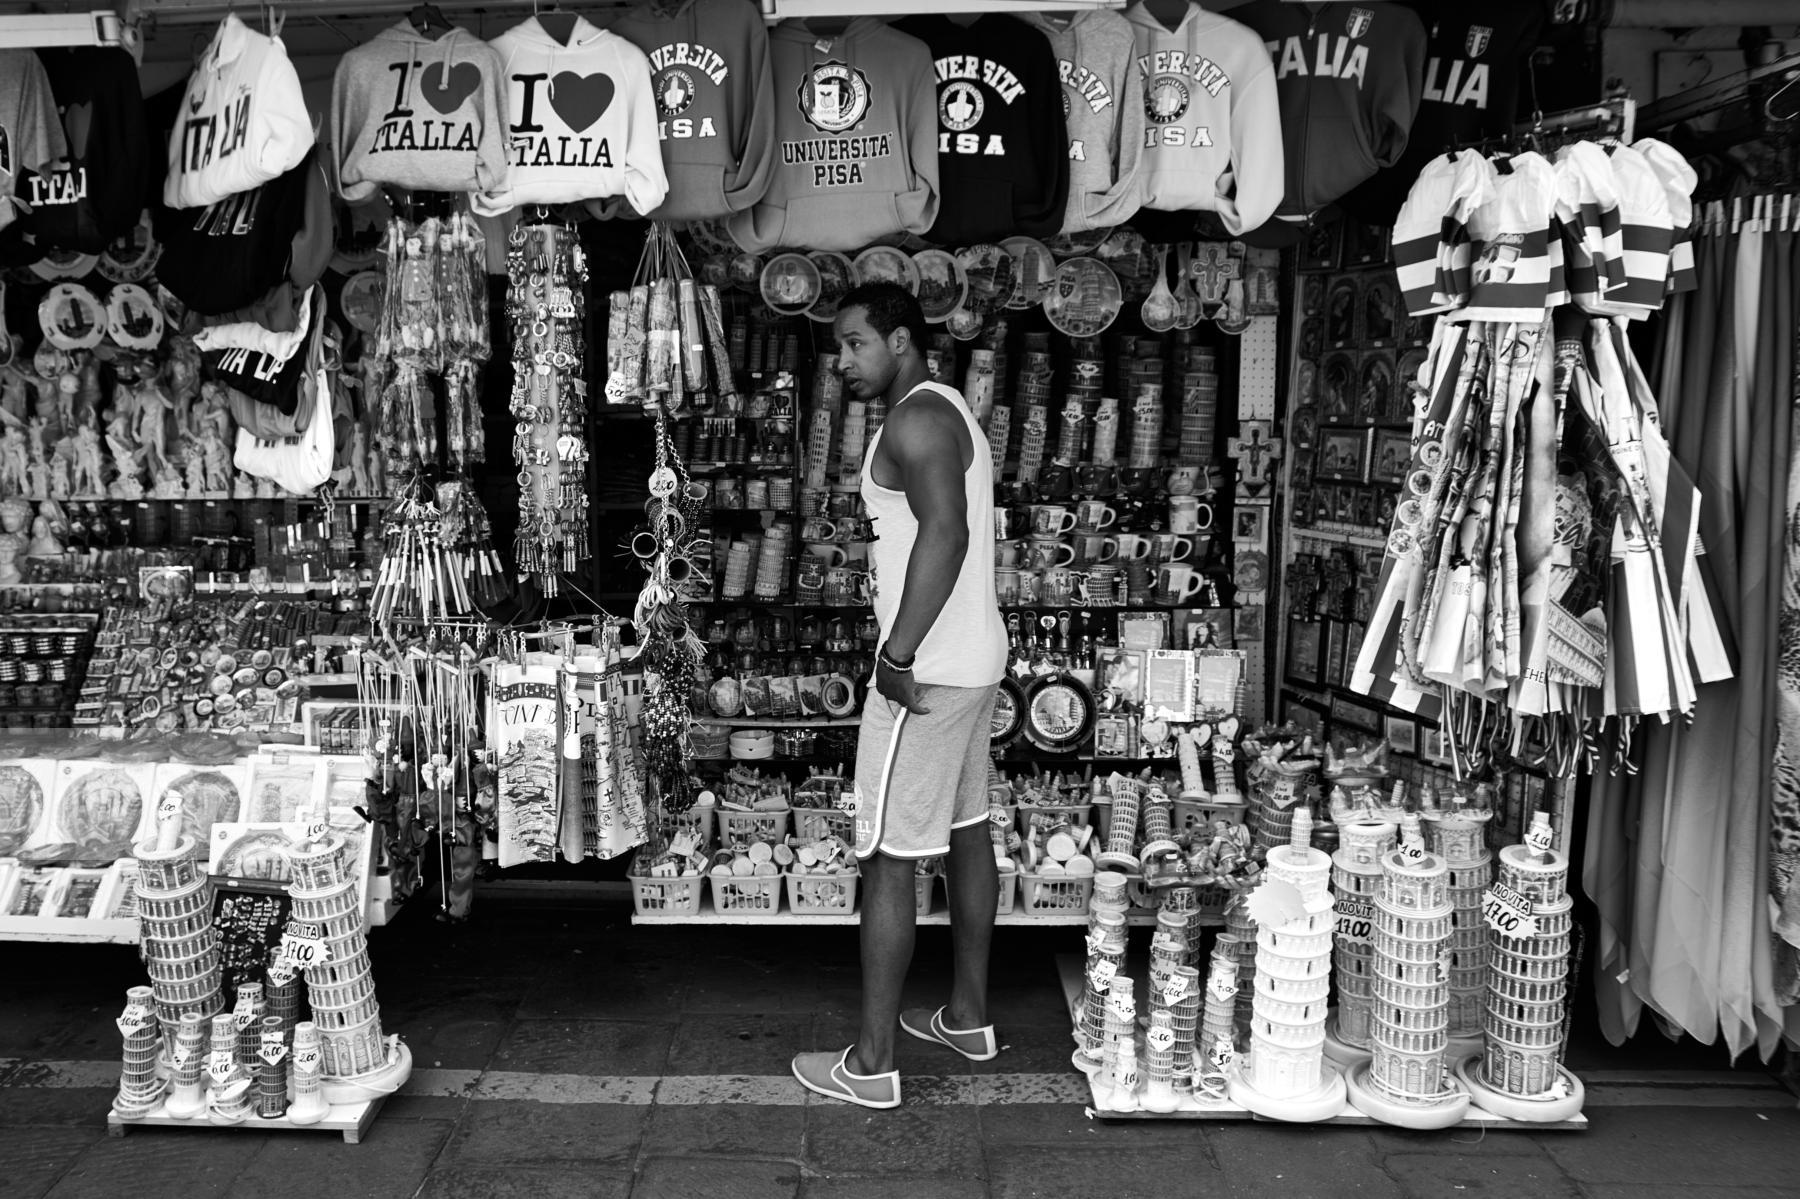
[[72, 318], [884, 264], [1059, 712], [1009, 714], [964, 325], [132, 318], [1084, 298], [1034, 267], [361, 300], [837, 696], [942, 284], [790, 284], [1077, 245], [989, 271], [725, 698], [837, 275], [131, 257], [64, 264]]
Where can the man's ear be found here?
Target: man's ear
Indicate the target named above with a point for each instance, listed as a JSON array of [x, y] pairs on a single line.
[[899, 339]]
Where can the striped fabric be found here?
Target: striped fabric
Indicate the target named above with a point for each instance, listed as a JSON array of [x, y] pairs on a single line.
[[1587, 208], [1512, 272], [1678, 179], [1433, 253], [1648, 233]]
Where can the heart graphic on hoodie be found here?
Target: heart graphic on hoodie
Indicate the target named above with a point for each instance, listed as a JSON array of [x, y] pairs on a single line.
[[446, 94], [580, 100]]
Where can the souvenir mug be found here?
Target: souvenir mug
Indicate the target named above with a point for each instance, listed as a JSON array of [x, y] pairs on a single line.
[[1057, 481], [1092, 515], [1008, 522], [1178, 582], [1095, 547], [818, 528], [1058, 587], [1188, 515], [1171, 547], [827, 552], [1133, 546], [1098, 478], [1006, 587], [1102, 584], [1184, 480], [1008, 554], [1029, 581], [837, 586], [849, 528], [1047, 552], [1051, 520]]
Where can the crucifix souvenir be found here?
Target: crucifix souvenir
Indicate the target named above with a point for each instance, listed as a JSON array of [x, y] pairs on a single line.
[[1213, 268], [1256, 449]]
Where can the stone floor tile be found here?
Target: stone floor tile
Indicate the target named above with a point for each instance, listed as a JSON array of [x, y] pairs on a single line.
[[533, 1133], [1083, 1172], [1475, 1173], [192, 1163], [524, 1182], [34, 1158], [740, 1129], [844, 1138], [594, 986], [712, 1178], [584, 1047], [1677, 1146], [1067, 1124], [1269, 1158], [1031, 1049], [21, 1103], [738, 1044], [924, 1186], [392, 1159]]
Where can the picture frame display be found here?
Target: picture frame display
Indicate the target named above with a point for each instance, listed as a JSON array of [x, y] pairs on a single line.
[[1304, 660], [1343, 454]]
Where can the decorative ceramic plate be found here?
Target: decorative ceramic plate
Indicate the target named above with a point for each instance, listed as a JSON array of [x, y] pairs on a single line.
[[71, 317], [64, 264], [942, 284], [1034, 269], [132, 318], [885, 264], [361, 300], [1078, 245], [790, 284], [1009, 713], [837, 275], [1059, 712], [989, 272], [1084, 298], [132, 256]]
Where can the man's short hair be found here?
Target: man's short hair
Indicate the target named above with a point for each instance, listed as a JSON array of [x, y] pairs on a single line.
[[889, 307]]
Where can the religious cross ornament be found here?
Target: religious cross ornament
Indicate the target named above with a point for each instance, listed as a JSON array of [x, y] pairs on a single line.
[[1256, 449], [1213, 268]]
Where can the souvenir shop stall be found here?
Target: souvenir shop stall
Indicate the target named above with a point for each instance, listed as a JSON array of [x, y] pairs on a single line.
[[428, 461]]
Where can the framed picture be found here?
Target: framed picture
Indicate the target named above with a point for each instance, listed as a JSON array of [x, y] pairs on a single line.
[[1341, 303], [1364, 244], [1382, 313], [1169, 685], [1365, 508], [1337, 389], [1119, 676], [1357, 716], [1304, 714], [1144, 630], [1250, 523], [1343, 505], [1390, 456], [1432, 747], [1312, 295], [1112, 736], [1304, 661], [1402, 734], [1247, 623], [1384, 509], [1319, 246], [1375, 386], [1300, 506], [1344, 454]]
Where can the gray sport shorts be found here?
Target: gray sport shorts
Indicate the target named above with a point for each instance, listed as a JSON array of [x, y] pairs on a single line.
[[918, 777]]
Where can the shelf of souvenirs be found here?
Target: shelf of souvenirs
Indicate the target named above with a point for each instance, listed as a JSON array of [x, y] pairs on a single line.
[[1014, 919], [781, 722], [1341, 534], [214, 497]]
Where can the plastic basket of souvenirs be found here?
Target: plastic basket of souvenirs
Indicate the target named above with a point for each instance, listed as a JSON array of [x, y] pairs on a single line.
[[1048, 815], [1054, 895], [667, 896], [759, 894], [742, 828], [815, 824], [822, 894], [1008, 887], [1191, 814]]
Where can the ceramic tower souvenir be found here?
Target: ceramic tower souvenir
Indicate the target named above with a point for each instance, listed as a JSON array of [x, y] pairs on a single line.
[[1519, 1073], [1116, 1086], [271, 1068], [1456, 832], [181, 950], [187, 1089], [1106, 941], [309, 1106], [1355, 877], [1287, 1076], [1122, 831], [139, 1085], [228, 1082], [1406, 1082]]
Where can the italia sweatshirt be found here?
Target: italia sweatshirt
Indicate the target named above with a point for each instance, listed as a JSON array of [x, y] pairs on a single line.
[[1212, 132], [1350, 77], [715, 102], [419, 112], [30, 135], [243, 121], [1003, 164], [1101, 105], [856, 136], [582, 121]]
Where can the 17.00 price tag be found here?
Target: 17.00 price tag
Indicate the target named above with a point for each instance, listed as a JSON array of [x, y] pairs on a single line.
[[1355, 921], [1508, 913], [303, 952]]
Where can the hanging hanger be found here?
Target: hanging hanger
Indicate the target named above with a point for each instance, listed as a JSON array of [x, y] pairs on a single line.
[[428, 17], [555, 22]]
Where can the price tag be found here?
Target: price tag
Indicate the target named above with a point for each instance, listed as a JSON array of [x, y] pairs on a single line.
[[168, 807], [306, 1059], [273, 1048], [1413, 850], [304, 952], [1539, 839], [1223, 984], [318, 830], [1355, 921], [220, 1065], [1175, 990], [1120, 1005], [1096, 941], [1160, 1038], [281, 972], [1222, 1054], [181, 1056], [133, 1019], [1100, 975], [682, 845], [244, 1014], [1508, 913]]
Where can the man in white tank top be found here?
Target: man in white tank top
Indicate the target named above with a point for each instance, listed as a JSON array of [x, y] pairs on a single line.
[[922, 753]]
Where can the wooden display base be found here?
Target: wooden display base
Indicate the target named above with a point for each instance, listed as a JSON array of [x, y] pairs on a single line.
[[1069, 968], [350, 1119]]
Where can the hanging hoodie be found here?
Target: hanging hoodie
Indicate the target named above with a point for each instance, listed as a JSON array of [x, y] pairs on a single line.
[[1101, 106], [242, 123], [1475, 56], [1003, 165], [97, 189], [1350, 77], [856, 135], [582, 121], [227, 256], [715, 102], [419, 112], [30, 135], [1212, 137]]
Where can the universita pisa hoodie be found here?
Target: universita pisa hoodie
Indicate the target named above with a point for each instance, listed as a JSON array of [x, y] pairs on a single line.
[[582, 122], [419, 112], [856, 138], [242, 123]]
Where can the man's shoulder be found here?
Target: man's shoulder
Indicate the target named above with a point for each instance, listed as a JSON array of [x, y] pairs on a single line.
[[932, 401]]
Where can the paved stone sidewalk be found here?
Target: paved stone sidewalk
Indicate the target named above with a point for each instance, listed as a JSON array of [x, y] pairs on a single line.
[[564, 1053]]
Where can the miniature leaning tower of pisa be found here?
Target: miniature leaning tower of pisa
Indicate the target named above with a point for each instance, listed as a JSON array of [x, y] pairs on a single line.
[[1519, 1074], [1457, 834], [1355, 877], [1287, 1077], [181, 950], [340, 988], [1405, 1083]]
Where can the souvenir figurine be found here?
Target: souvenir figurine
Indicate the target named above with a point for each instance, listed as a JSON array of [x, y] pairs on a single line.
[[13, 461], [194, 474], [90, 474], [64, 454], [14, 513], [43, 540]]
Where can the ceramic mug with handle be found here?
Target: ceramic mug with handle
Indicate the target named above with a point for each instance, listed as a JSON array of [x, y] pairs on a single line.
[[1133, 547], [1093, 515], [1050, 552], [1179, 582], [1051, 520]]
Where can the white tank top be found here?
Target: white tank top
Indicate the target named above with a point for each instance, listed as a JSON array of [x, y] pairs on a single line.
[[966, 646]]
